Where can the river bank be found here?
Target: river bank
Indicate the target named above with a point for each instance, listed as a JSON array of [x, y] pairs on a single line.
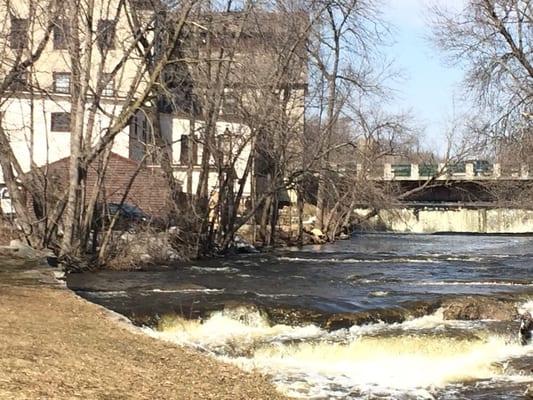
[[56, 345]]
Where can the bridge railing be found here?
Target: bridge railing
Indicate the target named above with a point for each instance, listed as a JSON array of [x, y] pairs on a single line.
[[459, 171]]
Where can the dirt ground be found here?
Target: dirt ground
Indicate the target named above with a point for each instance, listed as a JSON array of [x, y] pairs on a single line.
[[54, 345]]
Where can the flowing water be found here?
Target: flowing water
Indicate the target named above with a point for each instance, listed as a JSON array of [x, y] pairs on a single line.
[[359, 319]]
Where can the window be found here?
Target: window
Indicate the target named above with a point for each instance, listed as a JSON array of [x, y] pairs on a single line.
[[61, 33], [18, 36], [62, 82], [188, 145], [143, 4], [106, 34], [109, 89], [230, 105], [194, 160], [60, 122], [184, 153], [20, 82], [225, 148]]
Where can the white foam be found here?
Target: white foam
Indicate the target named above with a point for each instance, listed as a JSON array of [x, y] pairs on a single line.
[[309, 362], [526, 307], [379, 293], [473, 283], [108, 294], [189, 290], [233, 330], [387, 260], [433, 322], [208, 270], [405, 363]]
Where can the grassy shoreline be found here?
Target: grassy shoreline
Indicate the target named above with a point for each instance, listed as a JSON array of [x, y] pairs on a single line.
[[55, 345]]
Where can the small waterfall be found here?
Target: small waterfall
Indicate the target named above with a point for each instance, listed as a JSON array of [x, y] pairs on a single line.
[[232, 332], [415, 358]]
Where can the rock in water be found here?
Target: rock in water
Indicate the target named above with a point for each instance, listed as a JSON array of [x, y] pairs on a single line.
[[146, 258], [475, 308], [526, 328], [242, 246], [318, 233]]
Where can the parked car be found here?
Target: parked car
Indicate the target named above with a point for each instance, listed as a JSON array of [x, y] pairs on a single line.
[[127, 211], [128, 216]]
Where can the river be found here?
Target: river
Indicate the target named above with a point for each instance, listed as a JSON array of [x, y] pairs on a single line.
[[357, 319]]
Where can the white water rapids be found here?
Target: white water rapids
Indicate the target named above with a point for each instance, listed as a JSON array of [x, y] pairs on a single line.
[[413, 359]]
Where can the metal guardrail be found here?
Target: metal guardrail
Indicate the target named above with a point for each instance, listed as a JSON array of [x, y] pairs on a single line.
[[401, 170], [477, 170]]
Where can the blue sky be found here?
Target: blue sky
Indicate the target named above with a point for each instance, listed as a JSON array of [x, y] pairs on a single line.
[[429, 88]]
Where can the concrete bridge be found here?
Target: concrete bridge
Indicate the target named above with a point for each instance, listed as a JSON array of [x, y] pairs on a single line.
[[469, 197]]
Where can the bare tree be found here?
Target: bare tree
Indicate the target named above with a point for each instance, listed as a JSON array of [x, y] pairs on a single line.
[[346, 63], [104, 49], [493, 40], [244, 83]]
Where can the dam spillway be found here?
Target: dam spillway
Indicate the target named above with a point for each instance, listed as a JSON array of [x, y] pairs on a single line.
[[456, 219]]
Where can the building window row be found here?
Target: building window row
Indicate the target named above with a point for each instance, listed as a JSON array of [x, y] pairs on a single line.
[[20, 31], [61, 83]]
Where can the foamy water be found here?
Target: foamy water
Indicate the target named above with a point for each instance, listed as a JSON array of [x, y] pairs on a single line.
[[384, 260], [383, 364], [421, 358], [309, 362], [526, 307]]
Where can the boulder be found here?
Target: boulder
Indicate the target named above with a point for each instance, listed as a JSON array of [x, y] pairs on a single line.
[[317, 236], [318, 233], [148, 248], [471, 308], [310, 221], [242, 246], [18, 249]]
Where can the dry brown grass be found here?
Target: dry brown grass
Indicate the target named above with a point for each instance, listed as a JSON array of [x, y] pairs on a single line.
[[54, 345]]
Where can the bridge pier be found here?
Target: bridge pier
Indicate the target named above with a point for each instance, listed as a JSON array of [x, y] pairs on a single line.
[[469, 170], [387, 172], [415, 174], [496, 170]]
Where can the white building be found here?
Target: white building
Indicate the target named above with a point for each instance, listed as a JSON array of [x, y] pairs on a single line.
[[36, 113], [183, 138]]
